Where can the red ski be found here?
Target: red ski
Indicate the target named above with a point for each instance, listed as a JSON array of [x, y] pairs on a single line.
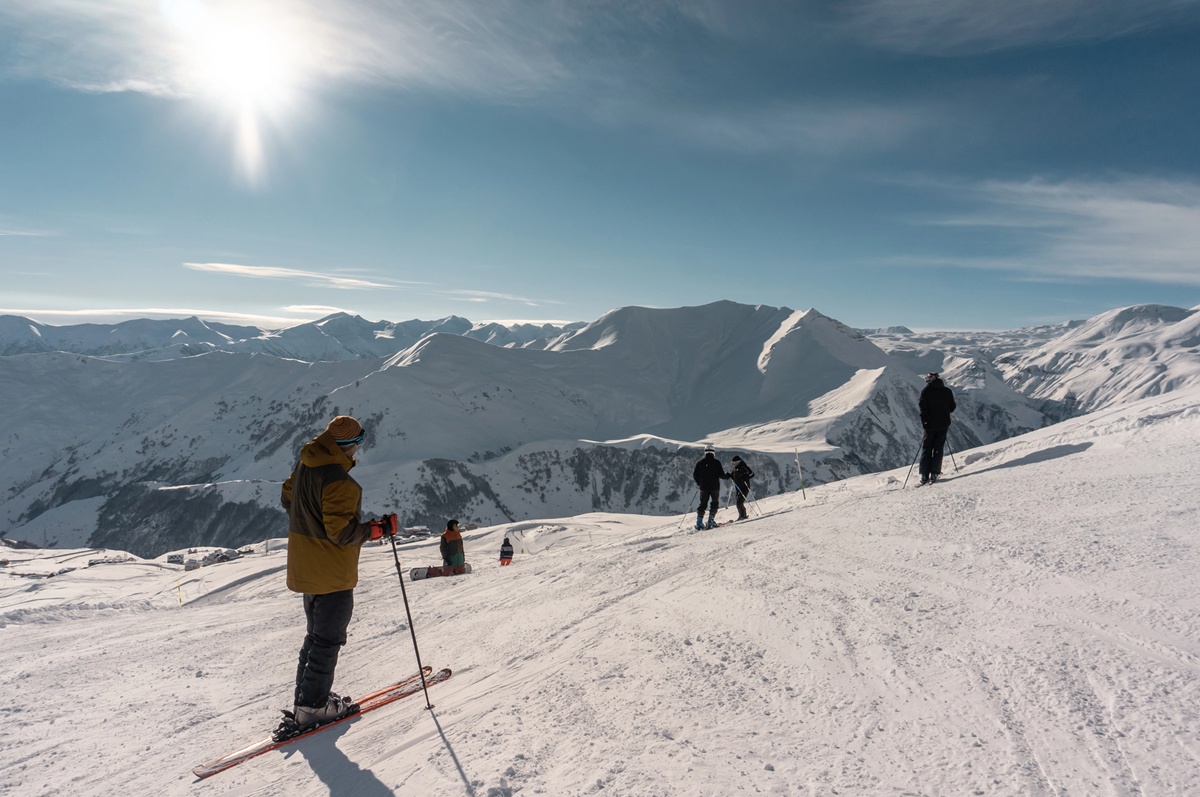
[[377, 699]]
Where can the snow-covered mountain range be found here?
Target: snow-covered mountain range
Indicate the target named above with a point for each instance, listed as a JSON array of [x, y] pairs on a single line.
[[153, 435], [337, 337]]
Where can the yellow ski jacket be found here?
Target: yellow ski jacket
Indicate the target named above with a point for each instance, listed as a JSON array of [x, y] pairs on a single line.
[[325, 528]]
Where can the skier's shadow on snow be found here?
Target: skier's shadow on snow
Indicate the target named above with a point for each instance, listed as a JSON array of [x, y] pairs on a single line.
[[340, 775], [1037, 456]]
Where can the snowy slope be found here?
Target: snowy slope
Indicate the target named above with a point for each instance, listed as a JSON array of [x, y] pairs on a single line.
[[1030, 626], [1117, 357]]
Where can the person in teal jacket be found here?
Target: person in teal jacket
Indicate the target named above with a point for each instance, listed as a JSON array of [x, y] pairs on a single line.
[[452, 546]]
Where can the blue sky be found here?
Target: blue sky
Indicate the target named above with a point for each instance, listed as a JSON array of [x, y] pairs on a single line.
[[943, 164]]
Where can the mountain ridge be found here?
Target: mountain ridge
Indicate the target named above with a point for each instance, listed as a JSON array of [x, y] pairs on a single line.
[[607, 414]]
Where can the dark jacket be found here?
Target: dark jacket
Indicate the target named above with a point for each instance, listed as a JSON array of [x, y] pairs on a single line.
[[709, 472], [742, 475], [325, 532], [506, 549], [937, 402], [452, 548]]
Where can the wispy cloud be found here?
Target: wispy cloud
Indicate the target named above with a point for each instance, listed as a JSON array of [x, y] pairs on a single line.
[[1124, 229], [961, 27], [17, 230], [489, 296], [310, 278], [319, 310], [808, 129], [613, 59], [501, 46]]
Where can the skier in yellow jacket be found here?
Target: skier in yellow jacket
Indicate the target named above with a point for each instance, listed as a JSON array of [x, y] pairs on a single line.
[[325, 535]]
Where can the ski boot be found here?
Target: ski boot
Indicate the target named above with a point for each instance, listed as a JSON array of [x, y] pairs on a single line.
[[304, 718]]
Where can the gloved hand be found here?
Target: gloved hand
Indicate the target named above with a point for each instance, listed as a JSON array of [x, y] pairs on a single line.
[[385, 525]]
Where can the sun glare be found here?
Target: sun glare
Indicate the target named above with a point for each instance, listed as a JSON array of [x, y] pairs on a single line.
[[245, 60]]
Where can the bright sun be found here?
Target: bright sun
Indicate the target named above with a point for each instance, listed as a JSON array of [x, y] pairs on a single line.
[[243, 58], [244, 61]]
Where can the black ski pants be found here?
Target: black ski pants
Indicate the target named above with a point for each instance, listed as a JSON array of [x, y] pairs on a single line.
[[327, 617], [931, 451], [707, 494], [743, 491]]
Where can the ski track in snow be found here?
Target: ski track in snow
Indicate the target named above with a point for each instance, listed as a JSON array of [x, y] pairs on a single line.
[[1029, 626]]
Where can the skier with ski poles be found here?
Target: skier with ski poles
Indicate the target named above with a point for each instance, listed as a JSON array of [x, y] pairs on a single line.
[[708, 474], [325, 536], [936, 404], [741, 476]]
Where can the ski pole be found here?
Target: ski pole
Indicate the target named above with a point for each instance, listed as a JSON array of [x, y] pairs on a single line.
[[951, 452], [746, 497], [910, 467], [687, 513], [412, 630]]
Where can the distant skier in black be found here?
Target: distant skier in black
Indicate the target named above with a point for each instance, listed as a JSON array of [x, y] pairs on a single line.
[[936, 404], [741, 477], [506, 551], [708, 474]]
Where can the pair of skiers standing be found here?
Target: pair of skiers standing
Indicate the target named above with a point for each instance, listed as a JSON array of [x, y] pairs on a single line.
[[708, 474]]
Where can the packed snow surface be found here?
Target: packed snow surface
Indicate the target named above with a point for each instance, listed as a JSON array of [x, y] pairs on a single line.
[[1029, 626]]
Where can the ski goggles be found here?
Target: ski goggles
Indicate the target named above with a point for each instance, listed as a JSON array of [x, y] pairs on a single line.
[[352, 441]]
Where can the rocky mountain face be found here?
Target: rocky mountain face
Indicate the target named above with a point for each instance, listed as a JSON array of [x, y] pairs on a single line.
[[151, 436]]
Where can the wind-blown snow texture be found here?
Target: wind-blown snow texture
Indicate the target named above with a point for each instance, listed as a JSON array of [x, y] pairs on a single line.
[[153, 435], [1030, 626]]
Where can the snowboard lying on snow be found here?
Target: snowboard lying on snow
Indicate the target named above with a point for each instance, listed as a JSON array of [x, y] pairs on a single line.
[[418, 573]]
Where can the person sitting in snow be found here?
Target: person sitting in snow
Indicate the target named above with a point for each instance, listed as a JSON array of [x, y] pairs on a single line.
[[453, 555], [708, 474], [506, 551]]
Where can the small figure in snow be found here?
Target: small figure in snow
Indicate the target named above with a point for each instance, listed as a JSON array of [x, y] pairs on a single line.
[[506, 551], [708, 474], [741, 476], [936, 404], [325, 535], [452, 547]]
